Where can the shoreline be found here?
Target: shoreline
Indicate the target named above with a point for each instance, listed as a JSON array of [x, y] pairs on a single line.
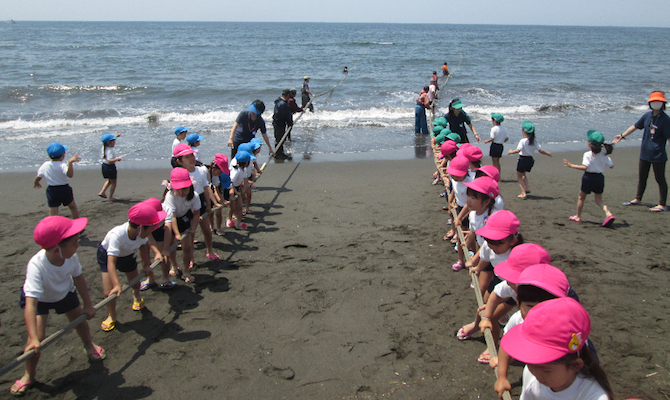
[[342, 287]]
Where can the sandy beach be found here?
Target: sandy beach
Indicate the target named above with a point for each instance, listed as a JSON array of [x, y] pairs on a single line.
[[342, 288]]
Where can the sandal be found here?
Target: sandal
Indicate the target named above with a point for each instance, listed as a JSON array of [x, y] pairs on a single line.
[[191, 265], [658, 208], [631, 203], [213, 257], [107, 326], [167, 285], [241, 227], [457, 266], [147, 285], [576, 219], [20, 388], [461, 335], [608, 221], [104, 196], [484, 358], [188, 278], [99, 354], [138, 305]]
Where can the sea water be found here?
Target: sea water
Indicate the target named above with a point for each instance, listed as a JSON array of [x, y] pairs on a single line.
[[74, 81]]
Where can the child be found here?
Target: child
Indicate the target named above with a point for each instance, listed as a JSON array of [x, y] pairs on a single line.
[[57, 176], [447, 153], [551, 341], [193, 140], [526, 148], [503, 297], [593, 165], [185, 158], [493, 173], [117, 252], [220, 178], [498, 137], [182, 204], [474, 156], [180, 133], [238, 178], [501, 234], [51, 278], [109, 161], [250, 175], [458, 172], [162, 235], [481, 194]]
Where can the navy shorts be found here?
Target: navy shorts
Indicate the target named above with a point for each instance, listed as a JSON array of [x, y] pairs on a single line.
[[109, 171], [203, 203], [57, 195], [466, 221], [496, 150], [226, 194], [184, 222], [525, 164], [593, 182], [123, 264], [67, 304], [159, 234]]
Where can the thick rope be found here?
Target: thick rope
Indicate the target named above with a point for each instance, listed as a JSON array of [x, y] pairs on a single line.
[[490, 343]]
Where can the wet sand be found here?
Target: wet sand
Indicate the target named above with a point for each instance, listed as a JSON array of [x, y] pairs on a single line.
[[342, 288]]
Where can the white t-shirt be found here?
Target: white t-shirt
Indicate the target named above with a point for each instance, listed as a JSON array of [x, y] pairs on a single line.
[[215, 181], [117, 243], [237, 176], [526, 148], [248, 171], [504, 291], [460, 190], [488, 255], [196, 152], [179, 206], [200, 179], [499, 134], [47, 282], [107, 153], [175, 143], [597, 162], [498, 205], [477, 222], [54, 172], [514, 320], [582, 389]]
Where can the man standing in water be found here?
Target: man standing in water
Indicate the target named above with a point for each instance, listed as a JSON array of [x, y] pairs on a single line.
[[282, 118], [306, 93]]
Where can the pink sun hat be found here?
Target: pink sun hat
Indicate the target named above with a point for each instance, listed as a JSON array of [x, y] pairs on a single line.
[[52, 230], [447, 148], [491, 172], [521, 257], [500, 225], [221, 161], [462, 148], [546, 277], [485, 185], [182, 149], [473, 153], [154, 203], [458, 166], [551, 330], [144, 214], [179, 178]]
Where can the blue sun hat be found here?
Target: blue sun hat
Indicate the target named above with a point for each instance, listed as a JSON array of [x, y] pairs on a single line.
[[193, 137], [179, 130], [56, 149], [107, 137], [254, 110], [256, 141], [242, 156], [248, 148]]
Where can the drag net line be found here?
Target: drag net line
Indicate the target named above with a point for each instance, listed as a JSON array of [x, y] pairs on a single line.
[[475, 281]]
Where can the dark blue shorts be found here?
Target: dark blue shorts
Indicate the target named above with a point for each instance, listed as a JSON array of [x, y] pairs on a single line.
[[466, 221], [159, 234], [525, 164], [57, 195], [203, 203], [109, 171], [123, 264], [68, 303], [593, 182], [496, 150], [184, 222]]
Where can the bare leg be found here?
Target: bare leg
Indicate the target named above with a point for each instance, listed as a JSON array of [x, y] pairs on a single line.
[[53, 211], [136, 287], [520, 177], [599, 202], [112, 188], [84, 332], [580, 203], [104, 188], [73, 209], [111, 306], [496, 162], [207, 233], [31, 363]]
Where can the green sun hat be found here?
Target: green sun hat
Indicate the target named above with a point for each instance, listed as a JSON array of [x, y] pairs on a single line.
[[457, 104], [498, 117], [437, 129], [441, 138], [454, 136], [440, 121], [528, 127], [595, 137]]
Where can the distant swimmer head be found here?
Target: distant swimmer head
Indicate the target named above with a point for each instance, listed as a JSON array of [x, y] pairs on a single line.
[[306, 78], [293, 92]]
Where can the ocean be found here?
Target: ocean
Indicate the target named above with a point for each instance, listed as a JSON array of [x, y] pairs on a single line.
[[74, 81]]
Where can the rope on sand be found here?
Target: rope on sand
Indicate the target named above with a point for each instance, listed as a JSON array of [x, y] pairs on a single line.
[[490, 343], [69, 327]]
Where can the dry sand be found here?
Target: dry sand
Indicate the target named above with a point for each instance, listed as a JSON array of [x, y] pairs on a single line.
[[342, 288]]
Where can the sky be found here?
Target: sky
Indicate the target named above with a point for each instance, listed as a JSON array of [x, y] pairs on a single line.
[[505, 12]]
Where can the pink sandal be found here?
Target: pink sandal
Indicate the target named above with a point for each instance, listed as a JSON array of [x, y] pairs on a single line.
[[457, 266], [213, 257], [576, 219]]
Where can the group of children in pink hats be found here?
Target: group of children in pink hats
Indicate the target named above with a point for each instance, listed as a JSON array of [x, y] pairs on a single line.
[[549, 332], [54, 275]]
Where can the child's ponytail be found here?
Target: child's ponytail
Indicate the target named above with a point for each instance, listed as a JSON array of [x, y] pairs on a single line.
[[593, 370], [608, 148], [531, 138]]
